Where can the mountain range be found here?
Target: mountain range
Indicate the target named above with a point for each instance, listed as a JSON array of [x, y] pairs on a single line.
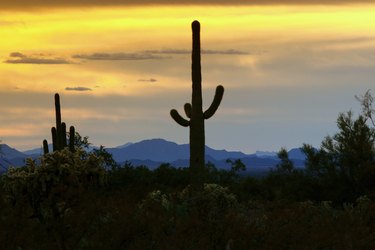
[[154, 152]]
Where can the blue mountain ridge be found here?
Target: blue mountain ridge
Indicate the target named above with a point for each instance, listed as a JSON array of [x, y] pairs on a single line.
[[153, 152]]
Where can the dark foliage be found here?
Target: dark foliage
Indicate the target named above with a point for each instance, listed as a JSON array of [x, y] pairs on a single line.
[[85, 200], [137, 208]]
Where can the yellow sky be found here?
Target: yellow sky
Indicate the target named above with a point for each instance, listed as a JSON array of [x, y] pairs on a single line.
[[143, 52], [61, 33]]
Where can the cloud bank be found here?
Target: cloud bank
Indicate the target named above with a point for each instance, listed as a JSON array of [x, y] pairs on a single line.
[[19, 58], [150, 54], [77, 89], [117, 56], [203, 51], [147, 80]]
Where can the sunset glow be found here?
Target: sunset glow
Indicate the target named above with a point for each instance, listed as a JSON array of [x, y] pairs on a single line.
[[137, 59]]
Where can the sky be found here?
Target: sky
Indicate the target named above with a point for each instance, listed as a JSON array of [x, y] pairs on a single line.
[[288, 68]]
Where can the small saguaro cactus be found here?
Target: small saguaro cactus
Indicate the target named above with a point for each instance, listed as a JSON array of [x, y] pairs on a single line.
[[195, 112], [59, 132]]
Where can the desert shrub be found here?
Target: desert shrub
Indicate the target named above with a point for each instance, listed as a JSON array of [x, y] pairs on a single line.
[[49, 189], [190, 218], [172, 178], [308, 225]]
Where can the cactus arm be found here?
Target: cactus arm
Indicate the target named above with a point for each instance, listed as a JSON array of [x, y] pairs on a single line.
[[215, 103], [187, 108], [57, 109], [54, 139], [59, 132], [58, 123], [63, 135], [71, 138], [179, 119], [45, 147]]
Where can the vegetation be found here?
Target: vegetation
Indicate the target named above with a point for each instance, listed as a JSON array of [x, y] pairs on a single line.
[[75, 199], [68, 201], [85, 200], [195, 113], [48, 191], [80, 200]]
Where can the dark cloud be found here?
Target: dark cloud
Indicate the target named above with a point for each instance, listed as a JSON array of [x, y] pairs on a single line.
[[168, 51], [117, 56], [203, 51], [19, 58], [27, 4], [224, 52], [17, 54], [77, 89], [37, 61], [147, 80]]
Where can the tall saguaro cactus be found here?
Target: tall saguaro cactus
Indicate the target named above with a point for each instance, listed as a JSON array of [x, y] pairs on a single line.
[[59, 132], [194, 110]]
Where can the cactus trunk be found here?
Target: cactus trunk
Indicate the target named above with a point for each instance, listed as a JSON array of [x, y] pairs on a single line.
[[197, 140], [45, 147], [71, 139], [58, 123], [195, 112]]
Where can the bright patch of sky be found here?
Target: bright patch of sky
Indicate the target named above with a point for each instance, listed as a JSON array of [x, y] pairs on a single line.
[[288, 71]]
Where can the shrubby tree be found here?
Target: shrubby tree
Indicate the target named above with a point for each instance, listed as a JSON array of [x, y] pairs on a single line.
[[345, 161], [286, 166], [286, 182], [80, 142], [366, 101], [50, 187], [236, 166], [109, 162]]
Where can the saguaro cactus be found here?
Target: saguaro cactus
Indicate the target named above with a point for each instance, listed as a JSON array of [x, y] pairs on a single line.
[[59, 132], [194, 110]]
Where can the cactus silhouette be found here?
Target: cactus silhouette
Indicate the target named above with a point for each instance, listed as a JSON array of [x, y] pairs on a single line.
[[195, 112], [59, 132]]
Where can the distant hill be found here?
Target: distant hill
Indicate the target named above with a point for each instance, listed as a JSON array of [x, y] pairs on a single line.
[[296, 153], [265, 154], [9, 152], [153, 152], [37, 151], [10, 157], [161, 150], [125, 145]]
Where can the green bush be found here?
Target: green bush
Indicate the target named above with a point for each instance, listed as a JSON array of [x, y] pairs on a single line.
[[49, 189]]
